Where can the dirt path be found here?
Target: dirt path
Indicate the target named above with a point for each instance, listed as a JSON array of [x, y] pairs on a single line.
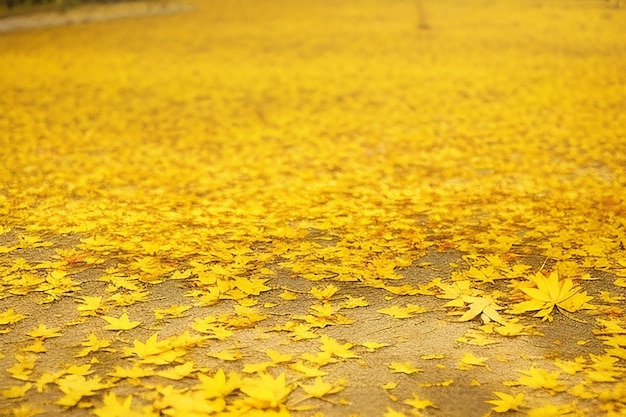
[[89, 13]]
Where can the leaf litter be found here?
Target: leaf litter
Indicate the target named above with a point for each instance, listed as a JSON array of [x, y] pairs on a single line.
[[316, 208]]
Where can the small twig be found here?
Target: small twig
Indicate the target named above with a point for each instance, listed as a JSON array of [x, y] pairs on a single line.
[[290, 290], [569, 316]]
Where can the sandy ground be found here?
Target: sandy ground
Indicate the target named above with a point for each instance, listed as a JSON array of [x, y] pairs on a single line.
[[432, 334]]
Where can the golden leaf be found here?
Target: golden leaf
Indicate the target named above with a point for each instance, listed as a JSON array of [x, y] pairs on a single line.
[[16, 391], [121, 323], [320, 388], [469, 360], [404, 367], [402, 312], [550, 292], [419, 404], [506, 402], [265, 391]]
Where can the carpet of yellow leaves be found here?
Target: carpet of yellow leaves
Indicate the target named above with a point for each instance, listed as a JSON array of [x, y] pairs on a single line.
[[316, 208]]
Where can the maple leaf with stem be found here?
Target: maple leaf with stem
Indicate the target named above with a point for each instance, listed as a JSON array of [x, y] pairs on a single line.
[[549, 293]]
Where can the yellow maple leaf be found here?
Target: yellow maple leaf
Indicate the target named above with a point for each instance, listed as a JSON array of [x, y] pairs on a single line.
[[325, 293], [302, 331], [404, 367], [335, 348], [288, 295], [24, 366], [75, 387], [278, 357], [483, 306], [372, 346], [121, 323], [486, 274], [253, 368], [265, 391], [245, 317], [506, 402], [354, 302], [540, 378], [79, 369], [550, 292], [137, 371], [321, 388], [112, 407], [469, 360], [152, 347], [433, 356], [92, 344], [16, 391], [26, 410], [513, 328], [419, 404], [178, 372], [402, 312], [307, 371], [90, 305], [174, 311], [218, 385], [10, 317], [251, 286], [42, 332], [320, 358], [36, 347], [189, 404], [571, 367]]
